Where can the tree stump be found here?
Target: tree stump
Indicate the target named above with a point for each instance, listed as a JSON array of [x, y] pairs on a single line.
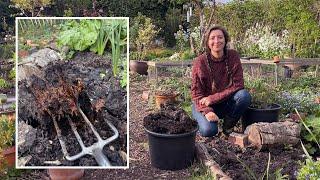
[[262, 135]]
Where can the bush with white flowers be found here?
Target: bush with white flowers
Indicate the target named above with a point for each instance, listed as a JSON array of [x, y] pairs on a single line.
[[260, 41]]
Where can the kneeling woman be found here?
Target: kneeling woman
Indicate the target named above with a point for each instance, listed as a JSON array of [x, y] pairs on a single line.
[[217, 85]]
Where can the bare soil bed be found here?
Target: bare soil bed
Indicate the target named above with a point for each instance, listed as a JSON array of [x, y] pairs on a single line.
[[56, 95], [229, 157]]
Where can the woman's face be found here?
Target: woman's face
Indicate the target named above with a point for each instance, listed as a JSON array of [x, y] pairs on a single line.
[[216, 41]]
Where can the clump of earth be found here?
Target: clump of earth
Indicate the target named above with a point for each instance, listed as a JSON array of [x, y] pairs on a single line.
[[85, 82]]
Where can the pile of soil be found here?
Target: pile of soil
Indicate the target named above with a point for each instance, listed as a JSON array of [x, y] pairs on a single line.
[[229, 157], [56, 95], [169, 120]]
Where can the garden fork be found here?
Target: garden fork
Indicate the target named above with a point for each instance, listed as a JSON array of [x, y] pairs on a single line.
[[96, 149]]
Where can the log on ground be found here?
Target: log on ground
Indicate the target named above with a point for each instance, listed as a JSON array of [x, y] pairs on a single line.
[[265, 134]]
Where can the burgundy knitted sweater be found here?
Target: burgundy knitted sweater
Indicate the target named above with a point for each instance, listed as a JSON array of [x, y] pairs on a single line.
[[207, 69]]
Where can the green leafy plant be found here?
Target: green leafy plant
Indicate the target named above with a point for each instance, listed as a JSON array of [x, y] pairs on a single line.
[[79, 35], [311, 133], [124, 76], [263, 94], [7, 130], [309, 170], [95, 35], [4, 83], [12, 74], [201, 173]]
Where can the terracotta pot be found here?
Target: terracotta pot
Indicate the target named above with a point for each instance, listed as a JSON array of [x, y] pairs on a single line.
[[10, 156], [139, 67], [23, 53], [276, 59], [11, 114], [161, 99], [65, 174]]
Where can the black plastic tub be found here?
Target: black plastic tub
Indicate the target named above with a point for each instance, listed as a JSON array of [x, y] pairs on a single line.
[[171, 151], [255, 115]]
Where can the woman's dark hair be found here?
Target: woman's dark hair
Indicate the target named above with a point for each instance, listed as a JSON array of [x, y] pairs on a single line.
[[227, 38], [225, 34]]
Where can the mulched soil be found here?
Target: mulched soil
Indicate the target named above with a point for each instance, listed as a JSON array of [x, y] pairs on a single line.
[[229, 157], [169, 120], [56, 95]]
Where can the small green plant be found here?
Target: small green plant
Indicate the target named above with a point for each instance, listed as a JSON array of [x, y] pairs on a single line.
[[309, 170], [4, 83], [201, 173], [7, 130], [263, 94], [124, 76], [12, 74]]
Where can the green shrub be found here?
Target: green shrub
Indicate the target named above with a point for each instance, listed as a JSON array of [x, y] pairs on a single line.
[[187, 55], [311, 170], [4, 83], [6, 50], [158, 53]]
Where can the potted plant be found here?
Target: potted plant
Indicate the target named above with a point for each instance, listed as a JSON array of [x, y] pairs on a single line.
[[142, 34], [262, 108], [7, 148], [276, 59], [165, 91], [171, 137]]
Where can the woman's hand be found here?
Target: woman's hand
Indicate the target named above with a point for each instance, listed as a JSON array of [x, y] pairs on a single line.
[[211, 116], [205, 101]]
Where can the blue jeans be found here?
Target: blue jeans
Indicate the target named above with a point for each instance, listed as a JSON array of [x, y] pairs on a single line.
[[232, 107]]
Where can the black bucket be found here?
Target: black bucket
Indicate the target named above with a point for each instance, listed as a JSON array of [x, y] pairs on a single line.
[[171, 151], [254, 115]]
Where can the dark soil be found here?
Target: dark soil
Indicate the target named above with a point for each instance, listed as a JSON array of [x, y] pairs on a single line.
[[261, 105], [169, 120], [229, 156], [55, 96]]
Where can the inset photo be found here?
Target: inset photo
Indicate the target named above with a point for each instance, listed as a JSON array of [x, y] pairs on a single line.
[[72, 92]]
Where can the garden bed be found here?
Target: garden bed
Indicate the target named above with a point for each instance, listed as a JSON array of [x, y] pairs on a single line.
[[87, 79], [239, 163]]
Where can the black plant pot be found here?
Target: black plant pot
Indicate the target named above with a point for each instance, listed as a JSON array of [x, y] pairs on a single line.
[[139, 67], [255, 115], [171, 151], [287, 72]]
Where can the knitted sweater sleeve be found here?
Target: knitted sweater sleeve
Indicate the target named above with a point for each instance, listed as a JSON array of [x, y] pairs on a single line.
[[197, 89], [237, 78]]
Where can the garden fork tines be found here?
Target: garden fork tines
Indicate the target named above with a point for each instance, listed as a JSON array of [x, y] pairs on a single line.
[[96, 149]]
